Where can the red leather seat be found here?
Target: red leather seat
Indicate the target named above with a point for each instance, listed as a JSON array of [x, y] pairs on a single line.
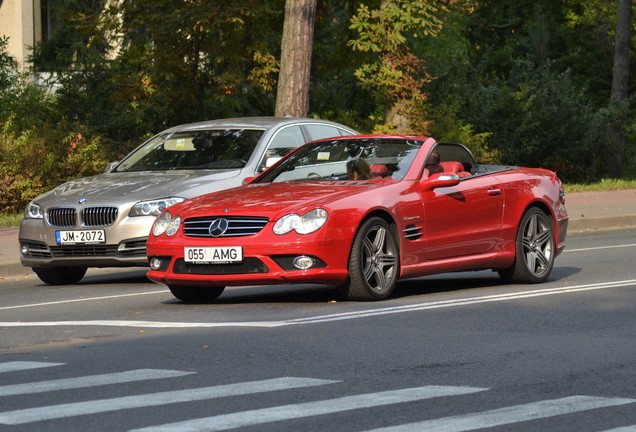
[[379, 170], [454, 167]]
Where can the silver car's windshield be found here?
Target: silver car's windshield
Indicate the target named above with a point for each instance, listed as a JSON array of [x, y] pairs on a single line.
[[354, 159], [201, 149]]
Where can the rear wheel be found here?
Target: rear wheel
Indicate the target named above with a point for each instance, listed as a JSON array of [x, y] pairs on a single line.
[[196, 294], [374, 263], [535, 249], [60, 275]]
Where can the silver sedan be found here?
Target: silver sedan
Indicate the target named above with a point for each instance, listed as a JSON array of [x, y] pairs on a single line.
[[104, 220]]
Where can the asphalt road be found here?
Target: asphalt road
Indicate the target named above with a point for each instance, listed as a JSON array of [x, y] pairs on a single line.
[[447, 353]]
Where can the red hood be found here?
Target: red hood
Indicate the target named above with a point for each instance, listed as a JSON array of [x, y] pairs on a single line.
[[270, 199]]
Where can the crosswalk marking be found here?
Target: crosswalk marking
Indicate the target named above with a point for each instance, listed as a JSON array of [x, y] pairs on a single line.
[[307, 409], [459, 423], [89, 381], [51, 412], [509, 415], [25, 365]]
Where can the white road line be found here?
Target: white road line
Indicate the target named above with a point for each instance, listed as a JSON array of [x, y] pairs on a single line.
[[25, 365], [592, 249], [631, 428], [464, 301], [89, 381], [166, 291], [339, 316], [82, 300], [509, 415], [51, 412], [307, 409], [144, 324]]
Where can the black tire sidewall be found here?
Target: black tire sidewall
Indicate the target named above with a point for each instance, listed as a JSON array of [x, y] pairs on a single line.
[[60, 275]]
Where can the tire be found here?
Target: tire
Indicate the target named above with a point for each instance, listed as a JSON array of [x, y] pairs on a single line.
[[374, 262], [196, 294], [60, 275], [535, 249]]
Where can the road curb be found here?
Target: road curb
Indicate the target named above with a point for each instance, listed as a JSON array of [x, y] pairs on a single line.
[[13, 269], [601, 224]]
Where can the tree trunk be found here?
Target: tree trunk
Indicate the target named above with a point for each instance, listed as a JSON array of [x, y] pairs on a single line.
[[614, 155], [292, 97]]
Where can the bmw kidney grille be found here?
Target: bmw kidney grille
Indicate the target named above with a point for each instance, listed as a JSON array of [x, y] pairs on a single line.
[[66, 217]]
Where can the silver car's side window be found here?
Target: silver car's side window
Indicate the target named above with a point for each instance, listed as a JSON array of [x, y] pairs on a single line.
[[317, 131], [282, 143]]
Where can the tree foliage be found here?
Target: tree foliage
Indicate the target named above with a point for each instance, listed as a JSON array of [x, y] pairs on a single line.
[[8, 67], [523, 70], [394, 74]]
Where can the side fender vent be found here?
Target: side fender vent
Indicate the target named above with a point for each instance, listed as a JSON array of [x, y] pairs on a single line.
[[412, 232]]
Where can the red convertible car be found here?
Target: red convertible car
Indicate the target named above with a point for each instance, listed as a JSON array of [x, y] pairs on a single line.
[[362, 213]]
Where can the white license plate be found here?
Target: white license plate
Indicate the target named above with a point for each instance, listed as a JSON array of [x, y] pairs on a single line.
[[213, 255], [80, 237]]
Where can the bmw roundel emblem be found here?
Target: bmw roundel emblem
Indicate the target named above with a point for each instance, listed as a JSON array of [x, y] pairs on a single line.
[[218, 227], [82, 200]]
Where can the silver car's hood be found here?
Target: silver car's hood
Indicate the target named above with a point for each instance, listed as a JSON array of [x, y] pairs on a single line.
[[116, 188]]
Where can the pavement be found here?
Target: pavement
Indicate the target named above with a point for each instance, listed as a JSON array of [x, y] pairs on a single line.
[[588, 211]]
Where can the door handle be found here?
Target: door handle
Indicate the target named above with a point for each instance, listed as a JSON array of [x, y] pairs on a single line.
[[494, 192]]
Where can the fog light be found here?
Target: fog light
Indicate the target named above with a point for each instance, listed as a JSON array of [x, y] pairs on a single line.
[[155, 263], [303, 262], [24, 249]]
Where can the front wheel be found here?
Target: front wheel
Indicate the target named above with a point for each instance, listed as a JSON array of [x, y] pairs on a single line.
[[196, 294], [374, 262], [60, 275], [535, 249]]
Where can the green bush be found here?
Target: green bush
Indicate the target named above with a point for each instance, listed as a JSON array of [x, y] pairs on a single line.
[[36, 160], [538, 117], [39, 147], [20, 168]]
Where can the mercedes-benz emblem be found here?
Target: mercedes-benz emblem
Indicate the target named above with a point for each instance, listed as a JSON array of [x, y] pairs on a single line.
[[218, 227]]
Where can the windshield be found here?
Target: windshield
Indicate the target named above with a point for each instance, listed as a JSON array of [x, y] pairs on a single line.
[[346, 159], [201, 149]]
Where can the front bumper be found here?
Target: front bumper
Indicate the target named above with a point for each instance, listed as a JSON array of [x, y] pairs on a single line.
[[262, 265], [125, 245], [131, 252]]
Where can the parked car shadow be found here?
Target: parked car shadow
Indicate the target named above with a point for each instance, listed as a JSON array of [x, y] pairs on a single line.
[[316, 294], [270, 294], [127, 276]]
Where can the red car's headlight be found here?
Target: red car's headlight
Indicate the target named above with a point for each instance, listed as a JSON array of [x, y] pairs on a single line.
[[165, 223], [305, 224]]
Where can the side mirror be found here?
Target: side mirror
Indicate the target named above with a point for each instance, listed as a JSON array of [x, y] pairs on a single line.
[[440, 180], [268, 163], [110, 166], [271, 161]]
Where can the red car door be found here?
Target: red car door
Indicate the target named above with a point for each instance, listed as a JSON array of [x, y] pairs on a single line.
[[465, 219]]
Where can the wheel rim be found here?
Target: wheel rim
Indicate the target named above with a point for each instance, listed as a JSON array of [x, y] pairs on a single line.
[[379, 259], [537, 246]]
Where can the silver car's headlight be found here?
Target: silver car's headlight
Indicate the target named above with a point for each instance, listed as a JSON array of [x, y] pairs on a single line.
[[305, 224], [33, 211], [153, 207], [166, 224]]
